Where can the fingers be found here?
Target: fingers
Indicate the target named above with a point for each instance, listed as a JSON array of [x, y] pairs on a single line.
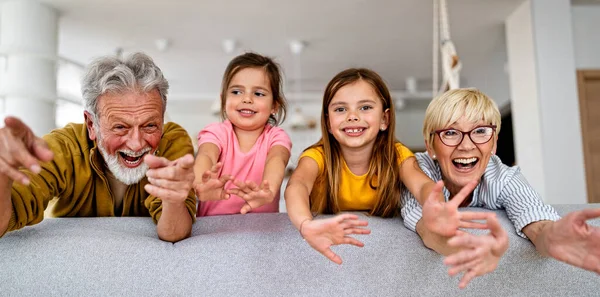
[[587, 214], [225, 178], [467, 277], [246, 208], [165, 194], [265, 185], [495, 227], [206, 176], [475, 215], [436, 191], [464, 240], [352, 241], [464, 267], [353, 223], [349, 231], [41, 150], [185, 162], [156, 162], [461, 257], [215, 168], [466, 219], [13, 173], [463, 194], [346, 216], [472, 225], [169, 184], [17, 127], [332, 256]]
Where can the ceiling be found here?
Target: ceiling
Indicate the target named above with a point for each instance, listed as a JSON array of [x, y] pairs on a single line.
[[392, 37]]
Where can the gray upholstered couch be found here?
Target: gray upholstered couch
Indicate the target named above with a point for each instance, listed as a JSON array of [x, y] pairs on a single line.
[[256, 255]]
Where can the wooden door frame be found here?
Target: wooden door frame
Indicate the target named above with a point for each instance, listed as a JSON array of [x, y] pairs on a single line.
[[582, 76]]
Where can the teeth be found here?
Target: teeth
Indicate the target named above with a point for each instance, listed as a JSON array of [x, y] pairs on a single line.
[[354, 130], [247, 111], [465, 161]]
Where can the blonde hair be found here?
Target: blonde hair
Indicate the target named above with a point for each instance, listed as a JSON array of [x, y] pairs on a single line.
[[383, 174], [450, 106]]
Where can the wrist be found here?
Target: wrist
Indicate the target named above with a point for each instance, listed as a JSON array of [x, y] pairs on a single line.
[[302, 225]]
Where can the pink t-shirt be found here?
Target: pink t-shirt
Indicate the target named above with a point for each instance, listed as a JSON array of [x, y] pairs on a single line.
[[242, 166]]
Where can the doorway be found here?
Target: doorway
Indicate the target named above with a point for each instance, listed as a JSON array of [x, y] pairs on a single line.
[[588, 83]]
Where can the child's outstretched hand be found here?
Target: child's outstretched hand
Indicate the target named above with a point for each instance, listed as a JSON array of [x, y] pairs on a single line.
[[254, 195], [322, 234], [478, 255], [444, 219], [212, 186]]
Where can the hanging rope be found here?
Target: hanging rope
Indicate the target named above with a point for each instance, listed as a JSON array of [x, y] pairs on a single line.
[[436, 45], [451, 65]]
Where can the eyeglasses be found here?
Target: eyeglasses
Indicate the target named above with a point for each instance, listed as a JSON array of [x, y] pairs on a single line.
[[479, 135]]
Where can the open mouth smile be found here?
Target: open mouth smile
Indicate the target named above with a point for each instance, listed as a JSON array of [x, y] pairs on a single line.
[[465, 164]]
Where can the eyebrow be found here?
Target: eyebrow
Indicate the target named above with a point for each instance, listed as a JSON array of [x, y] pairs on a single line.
[[241, 87], [359, 102], [125, 120]]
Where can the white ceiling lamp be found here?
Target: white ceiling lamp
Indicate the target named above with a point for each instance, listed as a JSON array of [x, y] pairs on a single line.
[[229, 46], [162, 44]]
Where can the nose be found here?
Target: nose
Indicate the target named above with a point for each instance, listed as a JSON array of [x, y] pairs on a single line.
[[135, 142], [466, 143], [352, 117], [247, 98]]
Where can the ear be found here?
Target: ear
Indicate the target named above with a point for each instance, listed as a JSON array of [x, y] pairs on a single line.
[[89, 123], [495, 145], [385, 120], [275, 108], [430, 150]]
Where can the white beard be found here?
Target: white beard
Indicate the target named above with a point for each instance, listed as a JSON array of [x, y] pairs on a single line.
[[128, 176]]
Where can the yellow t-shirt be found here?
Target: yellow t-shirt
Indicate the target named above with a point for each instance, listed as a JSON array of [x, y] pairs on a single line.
[[355, 191]]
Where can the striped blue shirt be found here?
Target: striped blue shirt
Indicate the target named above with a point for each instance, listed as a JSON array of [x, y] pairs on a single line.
[[501, 187]]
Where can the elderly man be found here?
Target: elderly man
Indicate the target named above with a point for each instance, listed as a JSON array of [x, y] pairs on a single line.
[[122, 162]]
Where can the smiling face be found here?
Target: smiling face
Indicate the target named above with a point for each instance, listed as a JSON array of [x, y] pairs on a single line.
[[249, 100], [355, 116], [129, 127], [465, 162]]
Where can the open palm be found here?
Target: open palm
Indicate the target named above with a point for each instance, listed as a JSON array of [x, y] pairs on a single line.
[[443, 218], [322, 234]]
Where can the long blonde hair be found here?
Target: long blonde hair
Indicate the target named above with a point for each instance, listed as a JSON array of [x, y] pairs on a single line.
[[383, 174]]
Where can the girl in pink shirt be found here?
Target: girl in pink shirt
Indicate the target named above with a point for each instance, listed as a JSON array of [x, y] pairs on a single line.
[[241, 162]]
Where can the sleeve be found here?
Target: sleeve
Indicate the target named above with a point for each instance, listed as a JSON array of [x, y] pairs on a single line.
[[403, 152], [315, 154], [523, 204], [29, 202], [213, 133], [411, 210], [178, 144], [279, 137]]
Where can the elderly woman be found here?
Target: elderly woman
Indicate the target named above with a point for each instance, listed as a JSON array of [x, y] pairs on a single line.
[[461, 130]]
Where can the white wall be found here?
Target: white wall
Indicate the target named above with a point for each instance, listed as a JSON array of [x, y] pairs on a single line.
[[544, 99], [586, 39], [523, 82]]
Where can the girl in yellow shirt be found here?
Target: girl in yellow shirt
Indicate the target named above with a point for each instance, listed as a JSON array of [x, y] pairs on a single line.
[[357, 165]]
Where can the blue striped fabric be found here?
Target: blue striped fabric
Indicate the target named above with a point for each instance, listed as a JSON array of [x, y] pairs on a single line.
[[501, 187]]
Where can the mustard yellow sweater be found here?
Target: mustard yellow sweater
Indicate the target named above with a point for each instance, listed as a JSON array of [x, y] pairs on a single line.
[[76, 176]]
